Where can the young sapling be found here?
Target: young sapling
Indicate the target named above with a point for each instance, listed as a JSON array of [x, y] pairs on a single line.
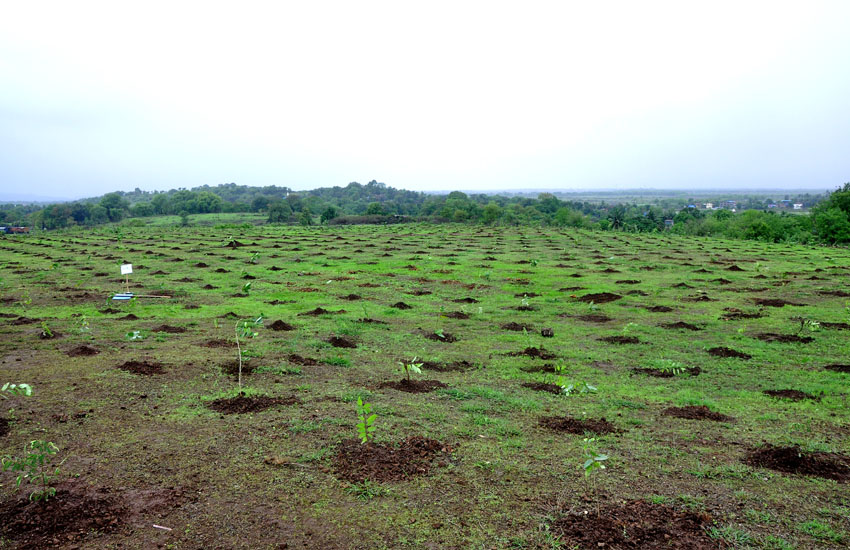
[[365, 428], [245, 329], [412, 366]]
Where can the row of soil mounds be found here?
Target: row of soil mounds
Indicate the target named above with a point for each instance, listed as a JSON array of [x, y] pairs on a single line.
[[76, 511], [380, 462], [635, 525]]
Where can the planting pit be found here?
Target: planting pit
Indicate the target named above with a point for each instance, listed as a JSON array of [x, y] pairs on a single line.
[[572, 425], [245, 404], [380, 462], [693, 412], [728, 352], [793, 395], [145, 368], [83, 351], [793, 460], [414, 386]]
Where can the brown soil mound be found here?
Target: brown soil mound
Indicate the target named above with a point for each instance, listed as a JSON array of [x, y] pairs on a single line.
[[660, 309], [351, 297], [146, 368], [401, 305], [4, 427], [628, 282], [209, 287], [448, 367], [217, 343], [24, 321], [465, 301], [446, 337], [541, 386], [537, 353], [793, 460], [578, 427], [234, 244], [232, 368], [169, 329], [244, 404], [281, 325], [296, 359], [698, 298], [658, 373], [838, 368], [636, 525], [680, 325], [728, 352], [413, 456], [83, 351], [110, 311], [773, 302], [128, 317], [620, 340], [221, 270], [599, 298], [836, 326], [201, 264], [456, 315], [341, 342], [696, 413], [516, 327], [371, 321], [682, 285], [734, 268], [794, 395], [420, 292], [839, 293], [320, 311], [733, 313], [784, 338], [594, 318], [414, 386]]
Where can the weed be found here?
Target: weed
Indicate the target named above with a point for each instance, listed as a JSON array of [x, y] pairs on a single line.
[[367, 490]]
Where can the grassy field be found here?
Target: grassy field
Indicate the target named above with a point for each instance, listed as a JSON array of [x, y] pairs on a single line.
[[143, 402]]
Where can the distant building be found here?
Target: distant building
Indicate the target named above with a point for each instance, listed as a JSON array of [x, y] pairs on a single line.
[[771, 205], [785, 203], [798, 206], [668, 223], [729, 205], [708, 205]]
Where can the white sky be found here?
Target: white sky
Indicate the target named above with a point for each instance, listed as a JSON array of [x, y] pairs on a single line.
[[99, 96]]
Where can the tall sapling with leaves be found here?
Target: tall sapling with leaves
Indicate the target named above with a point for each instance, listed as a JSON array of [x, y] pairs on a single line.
[[245, 329], [365, 428]]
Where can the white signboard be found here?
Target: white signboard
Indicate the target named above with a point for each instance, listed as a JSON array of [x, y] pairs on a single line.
[[126, 269]]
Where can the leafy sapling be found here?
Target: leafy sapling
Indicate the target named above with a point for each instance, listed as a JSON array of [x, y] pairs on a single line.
[[245, 329], [15, 389], [36, 468], [412, 366], [365, 428], [594, 460]]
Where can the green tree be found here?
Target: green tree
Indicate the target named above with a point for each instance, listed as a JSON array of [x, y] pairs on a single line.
[[329, 214], [375, 209]]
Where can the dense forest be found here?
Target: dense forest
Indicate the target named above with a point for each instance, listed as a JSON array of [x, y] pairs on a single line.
[[826, 219]]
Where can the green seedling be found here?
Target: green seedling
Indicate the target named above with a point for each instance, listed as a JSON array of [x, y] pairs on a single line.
[[45, 330], [246, 288], [365, 428], [673, 367], [412, 366], [594, 460], [135, 335], [15, 389], [35, 468], [245, 329], [577, 389]]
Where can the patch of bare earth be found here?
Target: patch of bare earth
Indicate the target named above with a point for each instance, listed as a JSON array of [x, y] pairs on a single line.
[[244, 404], [380, 462], [696, 413], [414, 386], [575, 426], [794, 460]]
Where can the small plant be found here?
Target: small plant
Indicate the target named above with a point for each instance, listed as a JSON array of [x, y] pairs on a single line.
[[365, 428], [245, 329], [439, 333], [412, 366], [83, 325], [135, 335], [629, 328], [673, 367], [367, 490], [577, 389], [15, 389], [35, 468], [806, 323], [45, 330], [594, 460], [255, 257], [246, 288]]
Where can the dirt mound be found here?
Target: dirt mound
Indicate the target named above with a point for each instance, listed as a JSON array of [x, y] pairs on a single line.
[[320, 311], [280, 325], [794, 395], [838, 368], [217, 343], [455, 315], [794, 460], [578, 427], [466, 300], [784, 338], [446, 337], [620, 340], [371, 321], [4, 427], [698, 298], [245, 404], [83, 351], [733, 313], [24, 321], [209, 287], [594, 318], [696, 413], [448, 367], [169, 329], [728, 352], [599, 298], [536, 353], [296, 359], [420, 292], [734, 268], [401, 305], [516, 327], [201, 264], [774, 302], [128, 317], [839, 293], [660, 309], [146, 368], [682, 285], [680, 325], [379, 462], [636, 525], [836, 326], [351, 297], [542, 386], [234, 244], [342, 342], [628, 282], [414, 386]]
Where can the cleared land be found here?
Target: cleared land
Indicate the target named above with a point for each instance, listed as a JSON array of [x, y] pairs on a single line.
[[720, 371]]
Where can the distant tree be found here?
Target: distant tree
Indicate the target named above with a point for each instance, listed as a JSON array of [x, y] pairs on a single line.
[[491, 213], [115, 205], [184, 219], [375, 209], [306, 219], [329, 214], [260, 203], [279, 212]]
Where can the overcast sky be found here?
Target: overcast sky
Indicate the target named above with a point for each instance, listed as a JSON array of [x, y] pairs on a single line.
[[102, 96]]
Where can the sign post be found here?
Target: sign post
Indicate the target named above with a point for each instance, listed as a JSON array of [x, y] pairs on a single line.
[[126, 269]]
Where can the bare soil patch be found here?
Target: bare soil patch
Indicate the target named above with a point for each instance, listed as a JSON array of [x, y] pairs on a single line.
[[838, 368], [169, 329], [696, 413], [594, 318], [635, 525], [680, 325], [733, 313], [380, 462], [296, 359], [516, 327], [575, 426], [536, 353], [542, 386], [401, 305], [446, 337], [414, 386], [660, 309], [784, 338], [466, 300], [620, 340], [774, 302], [4, 427], [659, 373], [728, 352], [599, 298], [83, 351], [835, 326], [244, 404], [281, 326], [342, 342], [320, 311], [218, 343], [146, 368], [793, 395], [794, 460], [456, 315]]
